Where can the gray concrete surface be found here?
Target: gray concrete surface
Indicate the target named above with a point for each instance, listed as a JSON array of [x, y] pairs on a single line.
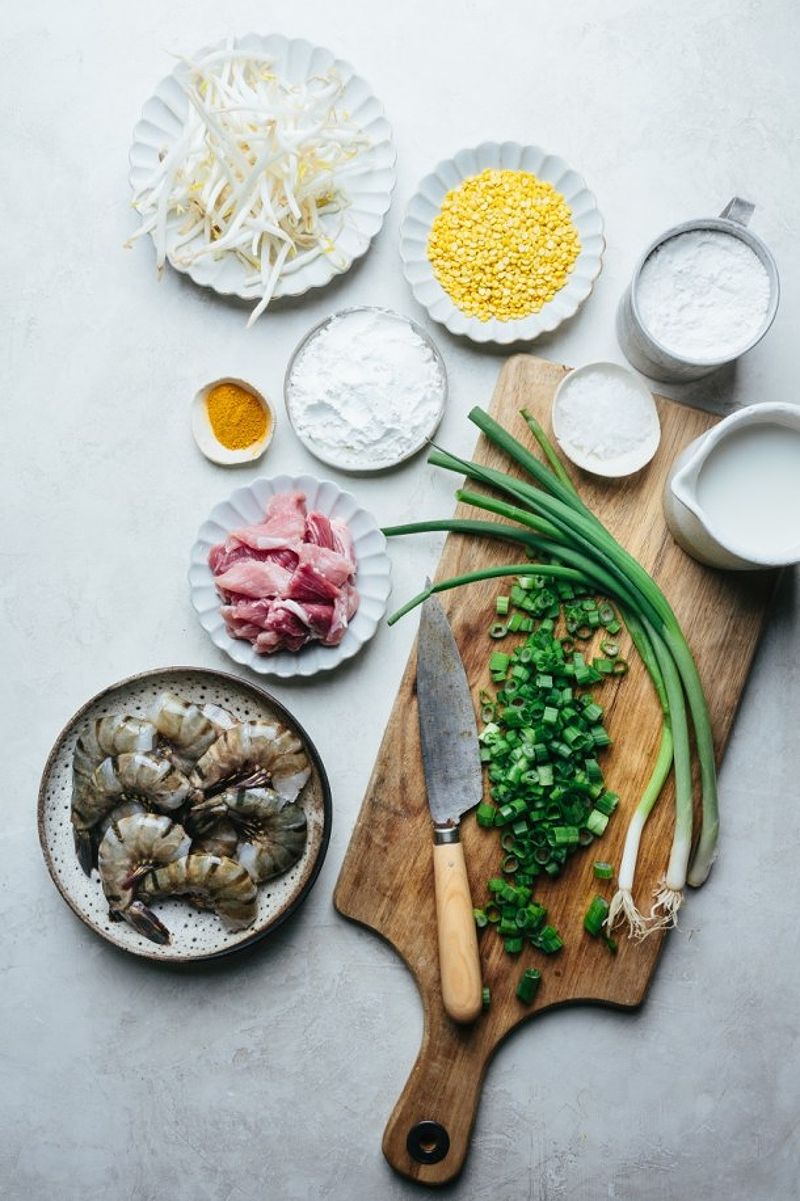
[[272, 1075]]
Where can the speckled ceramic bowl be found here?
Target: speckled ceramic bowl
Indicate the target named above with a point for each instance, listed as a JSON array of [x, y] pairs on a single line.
[[425, 205], [195, 934]]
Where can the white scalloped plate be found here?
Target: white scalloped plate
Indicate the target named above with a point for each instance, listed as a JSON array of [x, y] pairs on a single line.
[[425, 205], [373, 578], [370, 190]]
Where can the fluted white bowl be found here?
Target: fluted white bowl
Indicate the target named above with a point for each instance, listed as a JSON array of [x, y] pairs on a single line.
[[370, 189], [246, 506], [425, 205]]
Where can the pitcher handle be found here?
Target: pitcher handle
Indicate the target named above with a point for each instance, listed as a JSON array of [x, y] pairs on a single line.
[[738, 210]]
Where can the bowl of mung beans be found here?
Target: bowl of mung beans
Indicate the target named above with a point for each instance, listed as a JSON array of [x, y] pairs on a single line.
[[502, 242]]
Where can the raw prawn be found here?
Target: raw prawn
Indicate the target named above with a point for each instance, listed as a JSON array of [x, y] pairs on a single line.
[[272, 830], [131, 847], [214, 881], [135, 775], [110, 735], [188, 727], [256, 752]]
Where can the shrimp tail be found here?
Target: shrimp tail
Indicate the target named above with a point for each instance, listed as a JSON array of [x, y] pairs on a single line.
[[84, 849], [145, 922]]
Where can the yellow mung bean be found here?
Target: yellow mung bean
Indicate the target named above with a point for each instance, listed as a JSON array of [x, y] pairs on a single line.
[[503, 244]]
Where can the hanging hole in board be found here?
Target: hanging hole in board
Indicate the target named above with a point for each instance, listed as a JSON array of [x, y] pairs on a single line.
[[428, 1142]]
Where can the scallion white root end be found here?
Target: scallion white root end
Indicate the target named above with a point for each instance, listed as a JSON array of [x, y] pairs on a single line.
[[664, 913], [623, 911]]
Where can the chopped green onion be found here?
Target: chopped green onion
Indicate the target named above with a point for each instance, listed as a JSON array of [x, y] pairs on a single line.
[[603, 871], [485, 814], [547, 940], [529, 985], [596, 914], [486, 996], [596, 822]]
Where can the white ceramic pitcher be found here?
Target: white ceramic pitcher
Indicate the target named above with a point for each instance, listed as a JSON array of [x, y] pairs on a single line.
[[691, 526]]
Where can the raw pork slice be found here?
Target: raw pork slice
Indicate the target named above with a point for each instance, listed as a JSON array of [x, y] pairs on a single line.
[[253, 577], [225, 554], [287, 580], [329, 563], [330, 533], [286, 516]]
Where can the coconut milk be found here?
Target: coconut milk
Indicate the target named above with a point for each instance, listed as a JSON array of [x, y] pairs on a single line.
[[749, 489]]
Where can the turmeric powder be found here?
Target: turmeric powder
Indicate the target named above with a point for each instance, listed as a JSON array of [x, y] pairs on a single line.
[[237, 416]]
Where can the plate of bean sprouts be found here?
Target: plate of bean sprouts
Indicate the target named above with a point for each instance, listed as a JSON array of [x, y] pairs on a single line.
[[261, 167]]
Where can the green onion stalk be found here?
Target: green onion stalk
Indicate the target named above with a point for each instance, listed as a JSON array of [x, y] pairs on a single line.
[[557, 524]]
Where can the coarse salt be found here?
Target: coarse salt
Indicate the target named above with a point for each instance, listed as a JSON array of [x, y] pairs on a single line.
[[365, 391], [605, 419]]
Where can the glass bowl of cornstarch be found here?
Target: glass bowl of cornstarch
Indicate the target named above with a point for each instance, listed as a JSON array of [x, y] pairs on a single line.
[[365, 389]]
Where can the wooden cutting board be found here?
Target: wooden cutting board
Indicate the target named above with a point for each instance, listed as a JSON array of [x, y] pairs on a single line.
[[386, 880]]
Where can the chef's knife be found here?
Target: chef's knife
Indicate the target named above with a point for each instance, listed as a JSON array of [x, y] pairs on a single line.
[[454, 782]]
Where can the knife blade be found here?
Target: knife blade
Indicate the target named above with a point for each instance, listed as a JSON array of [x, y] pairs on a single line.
[[454, 784]]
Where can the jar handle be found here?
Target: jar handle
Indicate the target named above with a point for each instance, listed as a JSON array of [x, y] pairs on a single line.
[[738, 210]]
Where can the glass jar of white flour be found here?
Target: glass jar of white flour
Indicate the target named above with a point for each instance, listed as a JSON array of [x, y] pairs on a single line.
[[701, 295]]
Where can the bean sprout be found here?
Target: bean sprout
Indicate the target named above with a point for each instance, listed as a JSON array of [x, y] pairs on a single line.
[[257, 166]]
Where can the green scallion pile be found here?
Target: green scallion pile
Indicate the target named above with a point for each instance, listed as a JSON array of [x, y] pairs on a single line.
[[540, 743], [570, 545]]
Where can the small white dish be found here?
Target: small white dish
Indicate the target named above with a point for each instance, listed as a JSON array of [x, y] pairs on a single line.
[[295, 59], [207, 440], [629, 460], [350, 463], [425, 205], [246, 506]]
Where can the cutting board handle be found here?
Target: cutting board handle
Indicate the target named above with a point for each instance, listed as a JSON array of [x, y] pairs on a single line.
[[427, 1136]]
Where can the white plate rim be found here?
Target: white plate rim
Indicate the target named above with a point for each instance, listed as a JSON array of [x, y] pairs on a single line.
[[319, 272], [373, 570], [424, 205]]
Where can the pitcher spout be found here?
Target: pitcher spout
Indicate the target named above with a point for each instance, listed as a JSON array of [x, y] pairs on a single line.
[[686, 473]]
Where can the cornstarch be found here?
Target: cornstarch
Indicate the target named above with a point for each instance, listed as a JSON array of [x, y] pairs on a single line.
[[365, 391], [704, 295]]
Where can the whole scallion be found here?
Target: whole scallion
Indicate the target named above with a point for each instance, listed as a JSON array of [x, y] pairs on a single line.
[[555, 523]]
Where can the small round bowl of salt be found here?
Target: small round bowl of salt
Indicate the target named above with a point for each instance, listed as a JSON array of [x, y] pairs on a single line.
[[365, 389], [605, 420]]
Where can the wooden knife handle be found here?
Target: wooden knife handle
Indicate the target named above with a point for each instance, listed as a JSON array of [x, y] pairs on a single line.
[[459, 960]]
